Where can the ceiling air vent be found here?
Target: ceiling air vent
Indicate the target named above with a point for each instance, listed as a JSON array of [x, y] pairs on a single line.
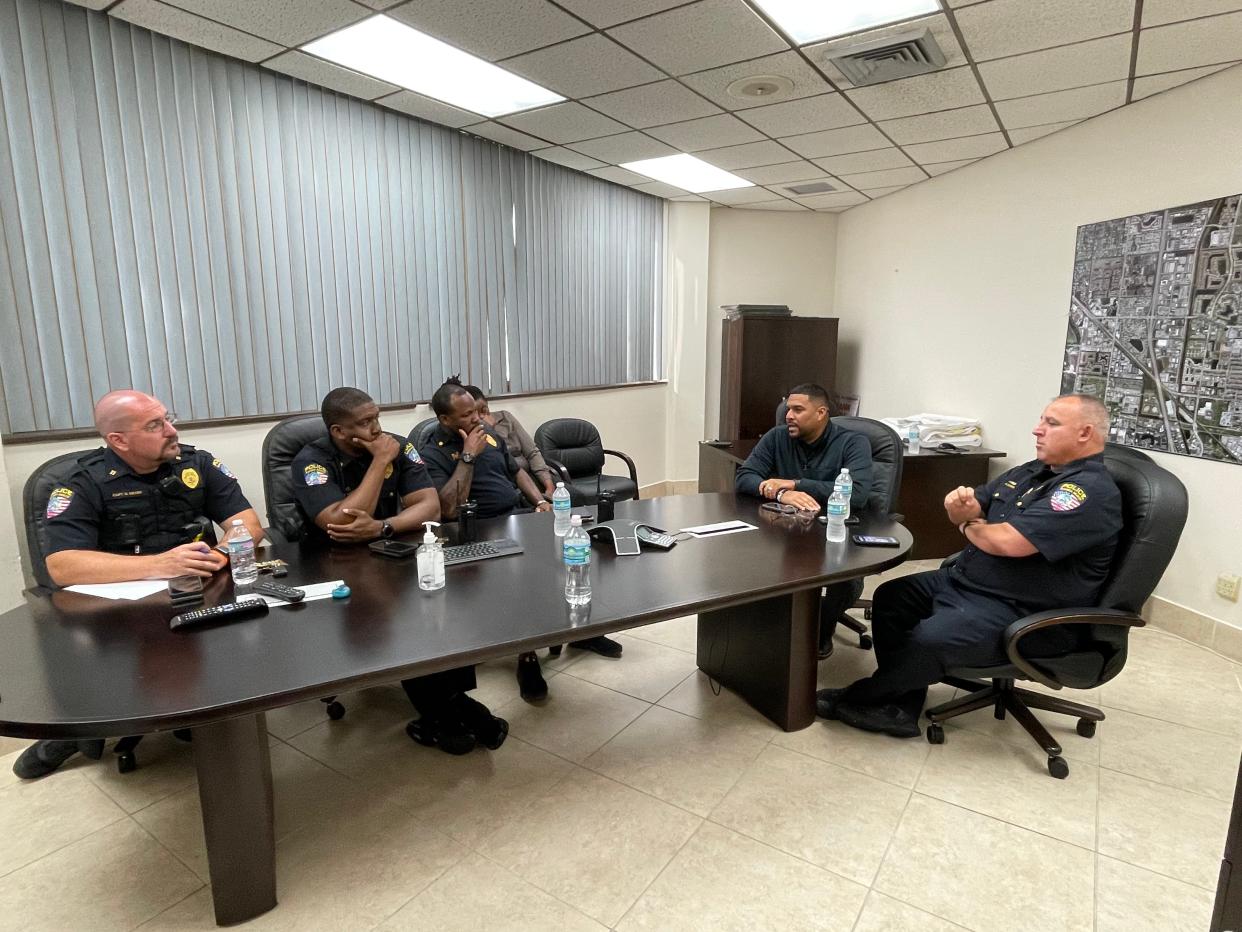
[[815, 187], [896, 56]]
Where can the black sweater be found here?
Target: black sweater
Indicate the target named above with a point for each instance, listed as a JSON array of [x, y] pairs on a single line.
[[814, 465]]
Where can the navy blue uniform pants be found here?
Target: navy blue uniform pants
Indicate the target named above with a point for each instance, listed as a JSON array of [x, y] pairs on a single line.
[[429, 694]]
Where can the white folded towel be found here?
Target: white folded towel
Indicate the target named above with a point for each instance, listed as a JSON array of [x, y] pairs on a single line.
[[939, 428]]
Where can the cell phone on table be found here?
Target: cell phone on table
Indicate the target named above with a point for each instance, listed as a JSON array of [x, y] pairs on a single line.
[[871, 540], [393, 548], [850, 521], [185, 590]]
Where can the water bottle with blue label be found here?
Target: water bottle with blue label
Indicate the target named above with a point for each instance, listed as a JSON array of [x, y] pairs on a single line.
[[844, 483], [577, 551], [838, 507]]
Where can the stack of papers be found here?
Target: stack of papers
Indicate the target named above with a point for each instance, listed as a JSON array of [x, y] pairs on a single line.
[[716, 530], [939, 428]]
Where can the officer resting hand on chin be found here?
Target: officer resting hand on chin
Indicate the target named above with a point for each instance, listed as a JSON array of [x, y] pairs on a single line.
[[135, 510]]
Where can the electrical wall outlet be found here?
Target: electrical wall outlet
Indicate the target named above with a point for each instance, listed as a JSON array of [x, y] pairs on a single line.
[[1227, 586]]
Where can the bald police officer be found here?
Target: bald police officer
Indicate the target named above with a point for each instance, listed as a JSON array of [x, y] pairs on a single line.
[[134, 510]]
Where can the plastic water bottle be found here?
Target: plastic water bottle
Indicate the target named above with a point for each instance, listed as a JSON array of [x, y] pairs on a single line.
[[560, 510], [577, 550], [912, 438], [844, 483], [241, 554], [838, 506]]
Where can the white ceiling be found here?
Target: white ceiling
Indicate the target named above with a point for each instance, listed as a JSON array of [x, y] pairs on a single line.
[[647, 78]]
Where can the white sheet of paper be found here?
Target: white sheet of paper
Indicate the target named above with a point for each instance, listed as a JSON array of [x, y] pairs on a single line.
[[129, 591], [717, 530], [319, 590]]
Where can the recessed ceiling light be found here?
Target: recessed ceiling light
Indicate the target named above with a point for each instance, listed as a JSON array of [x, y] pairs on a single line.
[[396, 53], [688, 173], [812, 20]]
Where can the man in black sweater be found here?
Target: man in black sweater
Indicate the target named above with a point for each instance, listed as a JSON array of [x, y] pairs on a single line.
[[796, 465]]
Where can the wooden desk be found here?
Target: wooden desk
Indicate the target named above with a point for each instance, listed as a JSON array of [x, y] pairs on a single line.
[[75, 666], [926, 479]]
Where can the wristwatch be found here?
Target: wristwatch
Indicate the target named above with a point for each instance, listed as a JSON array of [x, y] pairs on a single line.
[[467, 458], [386, 530]]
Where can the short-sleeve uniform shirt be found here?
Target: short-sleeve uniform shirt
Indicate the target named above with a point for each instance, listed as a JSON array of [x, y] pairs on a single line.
[[323, 475], [1072, 516], [492, 484]]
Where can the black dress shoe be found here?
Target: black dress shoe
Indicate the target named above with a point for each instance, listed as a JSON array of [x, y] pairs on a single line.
[[489, 729], [449, 736], [884, 719], [44, 757], [826, 702], [531, 683], [825, 650], [605, 647]]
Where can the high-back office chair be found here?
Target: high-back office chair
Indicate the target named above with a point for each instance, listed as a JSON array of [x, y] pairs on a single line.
[[887, 458], [1153, 509], [573, 448], [422, 432]]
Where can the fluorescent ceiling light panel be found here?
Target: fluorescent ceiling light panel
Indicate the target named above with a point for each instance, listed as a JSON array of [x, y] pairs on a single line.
[[396, 53], [811, 20], [688, 173]]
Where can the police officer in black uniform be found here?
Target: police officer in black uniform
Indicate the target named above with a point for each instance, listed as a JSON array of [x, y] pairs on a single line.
[[360, 484], [1040, 536], [467, 461], [140, 508]]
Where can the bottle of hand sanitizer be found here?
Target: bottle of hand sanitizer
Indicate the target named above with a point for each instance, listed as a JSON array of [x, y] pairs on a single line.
[[430, 558]]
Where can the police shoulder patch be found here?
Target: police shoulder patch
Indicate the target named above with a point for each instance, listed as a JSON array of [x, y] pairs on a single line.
[[314, 474], [224, 469], [1067, 497], [190, 477], [411, 454], [58, 501]]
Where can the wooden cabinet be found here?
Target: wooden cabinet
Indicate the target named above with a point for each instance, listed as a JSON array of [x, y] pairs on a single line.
[[761, 359]]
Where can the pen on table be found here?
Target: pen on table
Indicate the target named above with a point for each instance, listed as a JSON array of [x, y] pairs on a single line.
[[719, 530]]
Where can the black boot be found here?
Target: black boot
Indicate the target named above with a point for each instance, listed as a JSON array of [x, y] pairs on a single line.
[[44, 757]]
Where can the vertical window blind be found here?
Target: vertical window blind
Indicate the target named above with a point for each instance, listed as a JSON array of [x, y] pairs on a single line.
[[238, 242]]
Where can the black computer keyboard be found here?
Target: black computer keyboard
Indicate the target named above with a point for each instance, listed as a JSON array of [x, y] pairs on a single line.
[[481, 550]]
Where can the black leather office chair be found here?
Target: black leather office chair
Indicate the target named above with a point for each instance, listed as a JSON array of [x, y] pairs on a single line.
[[887, 455], [1153, 514], [572, 447], [422, 432]]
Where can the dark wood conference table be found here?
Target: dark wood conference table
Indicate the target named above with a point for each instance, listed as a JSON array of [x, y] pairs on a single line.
[[75, 666]]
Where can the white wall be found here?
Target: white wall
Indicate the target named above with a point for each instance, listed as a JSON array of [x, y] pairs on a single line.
[[685, 271], [10, 566], [765, 257], [957, 289]]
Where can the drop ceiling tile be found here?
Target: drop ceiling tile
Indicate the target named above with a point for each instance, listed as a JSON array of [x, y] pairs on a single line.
[[289, 22], [567, 122], [699, 36], [618, 175], [940, 90], [1031, 133], [1209, 41], [776, 174], [706, 133], [948, 124], [325, 74], [567, 157], [874, 193], [1159, 12], [836, 199], [92, 4], [1091, 62], [170, 21], [690, 198], [505, 135], [428, 109], [747, 156], [491, 29], [659, 189], [837, 141], [1076, 104], [939, 26], [713, 84], [1146, 87], [583, 67], [809, 114], [948, 150], [883, 179], [739, 195], [653, 104], [942, 168], [380, 4], [780, 204], [783, 189], [604, 13], [875, 160], [624, 147], [1011, 27]]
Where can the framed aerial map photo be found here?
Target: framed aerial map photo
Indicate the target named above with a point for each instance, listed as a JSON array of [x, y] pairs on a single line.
[[1155, 327]]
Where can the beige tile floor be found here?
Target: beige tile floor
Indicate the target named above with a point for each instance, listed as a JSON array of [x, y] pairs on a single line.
[[638, 798]]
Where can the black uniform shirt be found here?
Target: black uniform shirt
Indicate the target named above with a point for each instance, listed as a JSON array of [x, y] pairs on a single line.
[[814, 465], [492, 485], [1072, 516], [76, 512], [323, 475]]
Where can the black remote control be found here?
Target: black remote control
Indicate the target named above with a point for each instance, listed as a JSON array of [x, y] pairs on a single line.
[[228, 611], [278, 590]]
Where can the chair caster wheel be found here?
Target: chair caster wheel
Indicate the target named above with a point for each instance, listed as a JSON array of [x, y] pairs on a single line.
[[1058, 767], [126, 763], [1085, 727], [336, 711], [935, 734], [555, 650], [865, 642]]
